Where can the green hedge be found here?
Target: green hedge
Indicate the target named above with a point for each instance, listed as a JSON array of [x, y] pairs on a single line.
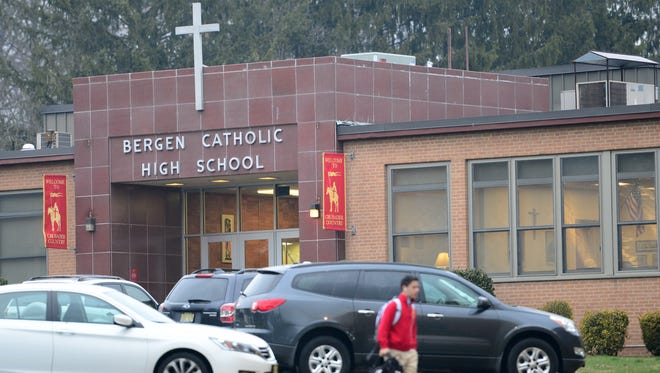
[[649, 322], [604, 332], [559, 307], [478, 277], [3, 281]]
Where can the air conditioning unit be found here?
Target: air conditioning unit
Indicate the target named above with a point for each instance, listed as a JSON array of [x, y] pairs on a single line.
[[52, 139], [594, 94]]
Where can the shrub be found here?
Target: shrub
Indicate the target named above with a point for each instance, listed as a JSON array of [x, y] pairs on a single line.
[[3, 281], [604, 332], [559, 307], [649, 322], [478, 277]]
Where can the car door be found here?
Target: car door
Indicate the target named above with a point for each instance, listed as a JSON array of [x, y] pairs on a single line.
[[26, 336], [87, 340], [452, 330], [374, 288]]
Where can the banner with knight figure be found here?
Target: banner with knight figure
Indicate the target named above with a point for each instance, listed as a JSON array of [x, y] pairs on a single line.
[[55, 227], [334, 192]]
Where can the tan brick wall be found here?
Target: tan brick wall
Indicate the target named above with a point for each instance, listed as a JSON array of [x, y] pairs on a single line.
[[30, 176], [367, 203]]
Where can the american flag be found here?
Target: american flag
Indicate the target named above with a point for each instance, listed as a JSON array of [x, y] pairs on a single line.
[[633, 203]]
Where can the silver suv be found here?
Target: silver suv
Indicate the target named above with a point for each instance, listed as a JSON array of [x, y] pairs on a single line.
[[129, 288]]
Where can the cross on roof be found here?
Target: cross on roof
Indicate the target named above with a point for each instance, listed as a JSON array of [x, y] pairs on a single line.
[[196, 30]]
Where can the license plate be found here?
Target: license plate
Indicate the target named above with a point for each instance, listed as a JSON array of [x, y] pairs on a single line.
[[187, 317]]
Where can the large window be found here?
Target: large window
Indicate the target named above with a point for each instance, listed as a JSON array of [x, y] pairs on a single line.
[[420, 214], [22, 252], [565, 215]]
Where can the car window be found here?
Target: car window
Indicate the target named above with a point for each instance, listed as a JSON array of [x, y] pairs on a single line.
[[262, 283], [115, 286], [334, 283], [446, 291], [23, 305], [139, 294], [200, 289], [82, 308], [381, 285]]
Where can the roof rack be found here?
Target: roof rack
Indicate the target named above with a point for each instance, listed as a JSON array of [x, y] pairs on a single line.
[[77, 277]]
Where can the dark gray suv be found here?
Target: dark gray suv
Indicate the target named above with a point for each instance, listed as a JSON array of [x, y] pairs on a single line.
[[320, 317]]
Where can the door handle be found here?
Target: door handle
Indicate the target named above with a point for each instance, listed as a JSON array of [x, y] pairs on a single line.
[[366, 312], [435, 315]]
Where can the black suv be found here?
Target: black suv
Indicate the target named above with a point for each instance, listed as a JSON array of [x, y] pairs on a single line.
[[321, 316], [206, 296]]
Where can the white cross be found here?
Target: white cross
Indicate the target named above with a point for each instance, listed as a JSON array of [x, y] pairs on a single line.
[[196, 30]]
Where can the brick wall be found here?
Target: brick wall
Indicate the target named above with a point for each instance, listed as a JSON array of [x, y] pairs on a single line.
[[28, 176], [367, 204]]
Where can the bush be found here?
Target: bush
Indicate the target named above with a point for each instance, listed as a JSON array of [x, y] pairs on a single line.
[[649, 322], [559, 307], [604, 332], [3, 281], [478, 277]]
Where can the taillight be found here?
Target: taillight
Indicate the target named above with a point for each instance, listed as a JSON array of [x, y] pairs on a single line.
[[227, 313], [160, 307], [265, 305], [204, 275]]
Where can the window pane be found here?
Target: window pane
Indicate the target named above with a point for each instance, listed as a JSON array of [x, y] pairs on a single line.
[[379, 285], [535, 205], [635, 162], [19, 270], [534, 169], [216, 204], [447, 291], [193, 212], [420, 211], [639, 247], [580, 166], [20, 202], [18, 238], [536, 251], [636, 199], [497, 171], [287, 209], [257, 210], [419, 176], [491, 208], [492, 252], [420, 249], [582, 249], [581, 203], [193, 254]]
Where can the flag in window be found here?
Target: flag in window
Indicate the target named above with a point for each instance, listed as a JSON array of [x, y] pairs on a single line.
[[633, 203]]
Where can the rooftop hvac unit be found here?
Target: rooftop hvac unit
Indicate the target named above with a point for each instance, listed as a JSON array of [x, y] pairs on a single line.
[[52, 139], [595, 94]]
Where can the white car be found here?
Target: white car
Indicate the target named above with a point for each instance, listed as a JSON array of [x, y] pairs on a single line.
[[74, 327]]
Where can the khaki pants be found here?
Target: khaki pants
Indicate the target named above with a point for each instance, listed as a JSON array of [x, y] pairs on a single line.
[[407, 360]]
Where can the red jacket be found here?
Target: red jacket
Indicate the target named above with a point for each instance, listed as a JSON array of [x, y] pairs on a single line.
[[401, 336]]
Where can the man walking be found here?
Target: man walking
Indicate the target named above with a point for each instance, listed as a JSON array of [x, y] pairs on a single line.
[[399, 338]]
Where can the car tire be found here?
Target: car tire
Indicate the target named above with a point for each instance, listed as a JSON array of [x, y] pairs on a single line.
[[181, 362], [532, 355], [326, 355]]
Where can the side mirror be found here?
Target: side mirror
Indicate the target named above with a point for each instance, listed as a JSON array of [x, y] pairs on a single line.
[[483, 303], [122, 320]]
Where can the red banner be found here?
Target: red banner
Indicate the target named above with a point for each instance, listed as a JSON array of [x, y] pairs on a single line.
[[55, 227], [334, 192]]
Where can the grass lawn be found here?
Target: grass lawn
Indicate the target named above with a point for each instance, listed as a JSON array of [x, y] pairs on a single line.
[[621, 364]]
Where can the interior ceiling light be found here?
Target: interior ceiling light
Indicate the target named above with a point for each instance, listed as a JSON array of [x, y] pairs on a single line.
[[174, 184], [219, 181], [294, 192], [265, 191], [267, 178]]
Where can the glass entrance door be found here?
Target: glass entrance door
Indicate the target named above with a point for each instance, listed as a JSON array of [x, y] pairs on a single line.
[[250, 250]]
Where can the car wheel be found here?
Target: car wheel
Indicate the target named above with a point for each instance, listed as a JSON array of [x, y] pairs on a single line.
[[324, 355], [532, 356], [182, 362]]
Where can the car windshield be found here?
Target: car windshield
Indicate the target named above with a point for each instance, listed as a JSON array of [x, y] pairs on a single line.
[[262, 283], [138, 307], [194, 289]]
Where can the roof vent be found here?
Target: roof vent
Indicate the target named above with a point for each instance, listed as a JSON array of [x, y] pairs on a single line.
[[400, 59]]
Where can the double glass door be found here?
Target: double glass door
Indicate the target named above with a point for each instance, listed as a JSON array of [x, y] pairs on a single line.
[[250, 249]]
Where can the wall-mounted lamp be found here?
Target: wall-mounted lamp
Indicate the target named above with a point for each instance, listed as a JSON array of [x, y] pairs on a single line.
[[315, 210], [90, 222], [442, 261]]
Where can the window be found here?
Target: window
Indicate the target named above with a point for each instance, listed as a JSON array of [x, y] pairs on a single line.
[[419, 213], [333, 283], [21, 237], [23, 305], [571, 215], [446, 291], [81, 308], [379, 285], [637, 226]]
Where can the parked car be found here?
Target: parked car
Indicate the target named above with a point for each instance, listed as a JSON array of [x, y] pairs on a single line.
[[71, 327], [322, 315], [129, 288], [206, 296]]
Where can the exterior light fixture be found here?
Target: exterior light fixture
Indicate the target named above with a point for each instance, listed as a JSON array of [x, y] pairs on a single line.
[[442, 261], [90, 222], [315, 210]]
